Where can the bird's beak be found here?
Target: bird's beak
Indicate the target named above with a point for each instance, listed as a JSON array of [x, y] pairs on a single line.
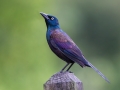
[[44, 15]]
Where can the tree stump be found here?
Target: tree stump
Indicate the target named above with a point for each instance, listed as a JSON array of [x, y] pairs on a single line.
[[63, 81]]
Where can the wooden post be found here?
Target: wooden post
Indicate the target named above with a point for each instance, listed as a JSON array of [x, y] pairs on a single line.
[[63, 81]]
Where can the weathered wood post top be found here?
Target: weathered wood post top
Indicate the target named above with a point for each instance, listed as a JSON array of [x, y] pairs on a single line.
[[63, 81]]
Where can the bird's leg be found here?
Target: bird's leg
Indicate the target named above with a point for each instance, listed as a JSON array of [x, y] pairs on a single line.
[[69, 67], [64, 67]]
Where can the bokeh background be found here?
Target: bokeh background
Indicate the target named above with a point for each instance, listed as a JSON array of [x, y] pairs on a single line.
[[26, 62]]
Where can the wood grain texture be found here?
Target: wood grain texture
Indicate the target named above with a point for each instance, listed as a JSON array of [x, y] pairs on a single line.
[[63, 81]]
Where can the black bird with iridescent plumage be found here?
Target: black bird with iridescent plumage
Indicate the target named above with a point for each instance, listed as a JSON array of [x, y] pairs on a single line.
[[63, 46]]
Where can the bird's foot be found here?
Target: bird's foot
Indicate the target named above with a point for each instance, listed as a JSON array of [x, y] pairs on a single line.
[[69, 71], [61, 71], [64, 72]]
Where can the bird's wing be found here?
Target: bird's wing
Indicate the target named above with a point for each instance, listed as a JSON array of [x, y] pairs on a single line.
[[65, 44]]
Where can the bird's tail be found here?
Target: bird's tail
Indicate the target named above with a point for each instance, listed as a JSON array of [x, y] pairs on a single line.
[[98, 72]]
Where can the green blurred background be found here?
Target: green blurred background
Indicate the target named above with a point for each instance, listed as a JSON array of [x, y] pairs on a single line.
[[26, 62]]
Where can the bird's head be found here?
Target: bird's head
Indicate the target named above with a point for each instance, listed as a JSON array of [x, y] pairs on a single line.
[[50, 20]]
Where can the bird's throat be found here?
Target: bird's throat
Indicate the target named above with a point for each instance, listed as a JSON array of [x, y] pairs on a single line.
[[51, 27]]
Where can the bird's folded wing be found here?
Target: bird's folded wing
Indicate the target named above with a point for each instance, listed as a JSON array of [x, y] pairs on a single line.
[[68, 48]]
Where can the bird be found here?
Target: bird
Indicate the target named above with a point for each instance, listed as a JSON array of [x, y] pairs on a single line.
[[64, 47]]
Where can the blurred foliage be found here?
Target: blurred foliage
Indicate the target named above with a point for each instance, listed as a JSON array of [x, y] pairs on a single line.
[[26, 61]]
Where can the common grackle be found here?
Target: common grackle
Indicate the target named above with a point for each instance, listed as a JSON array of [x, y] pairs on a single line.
[[63, 46]]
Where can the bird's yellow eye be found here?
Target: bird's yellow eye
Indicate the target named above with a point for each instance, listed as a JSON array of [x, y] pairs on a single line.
[[52, 18]]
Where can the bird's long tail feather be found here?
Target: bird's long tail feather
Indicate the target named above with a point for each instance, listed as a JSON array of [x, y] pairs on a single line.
[[98, 72]]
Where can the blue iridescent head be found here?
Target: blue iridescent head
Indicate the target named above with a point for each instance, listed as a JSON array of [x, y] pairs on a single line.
[[50, 20]]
